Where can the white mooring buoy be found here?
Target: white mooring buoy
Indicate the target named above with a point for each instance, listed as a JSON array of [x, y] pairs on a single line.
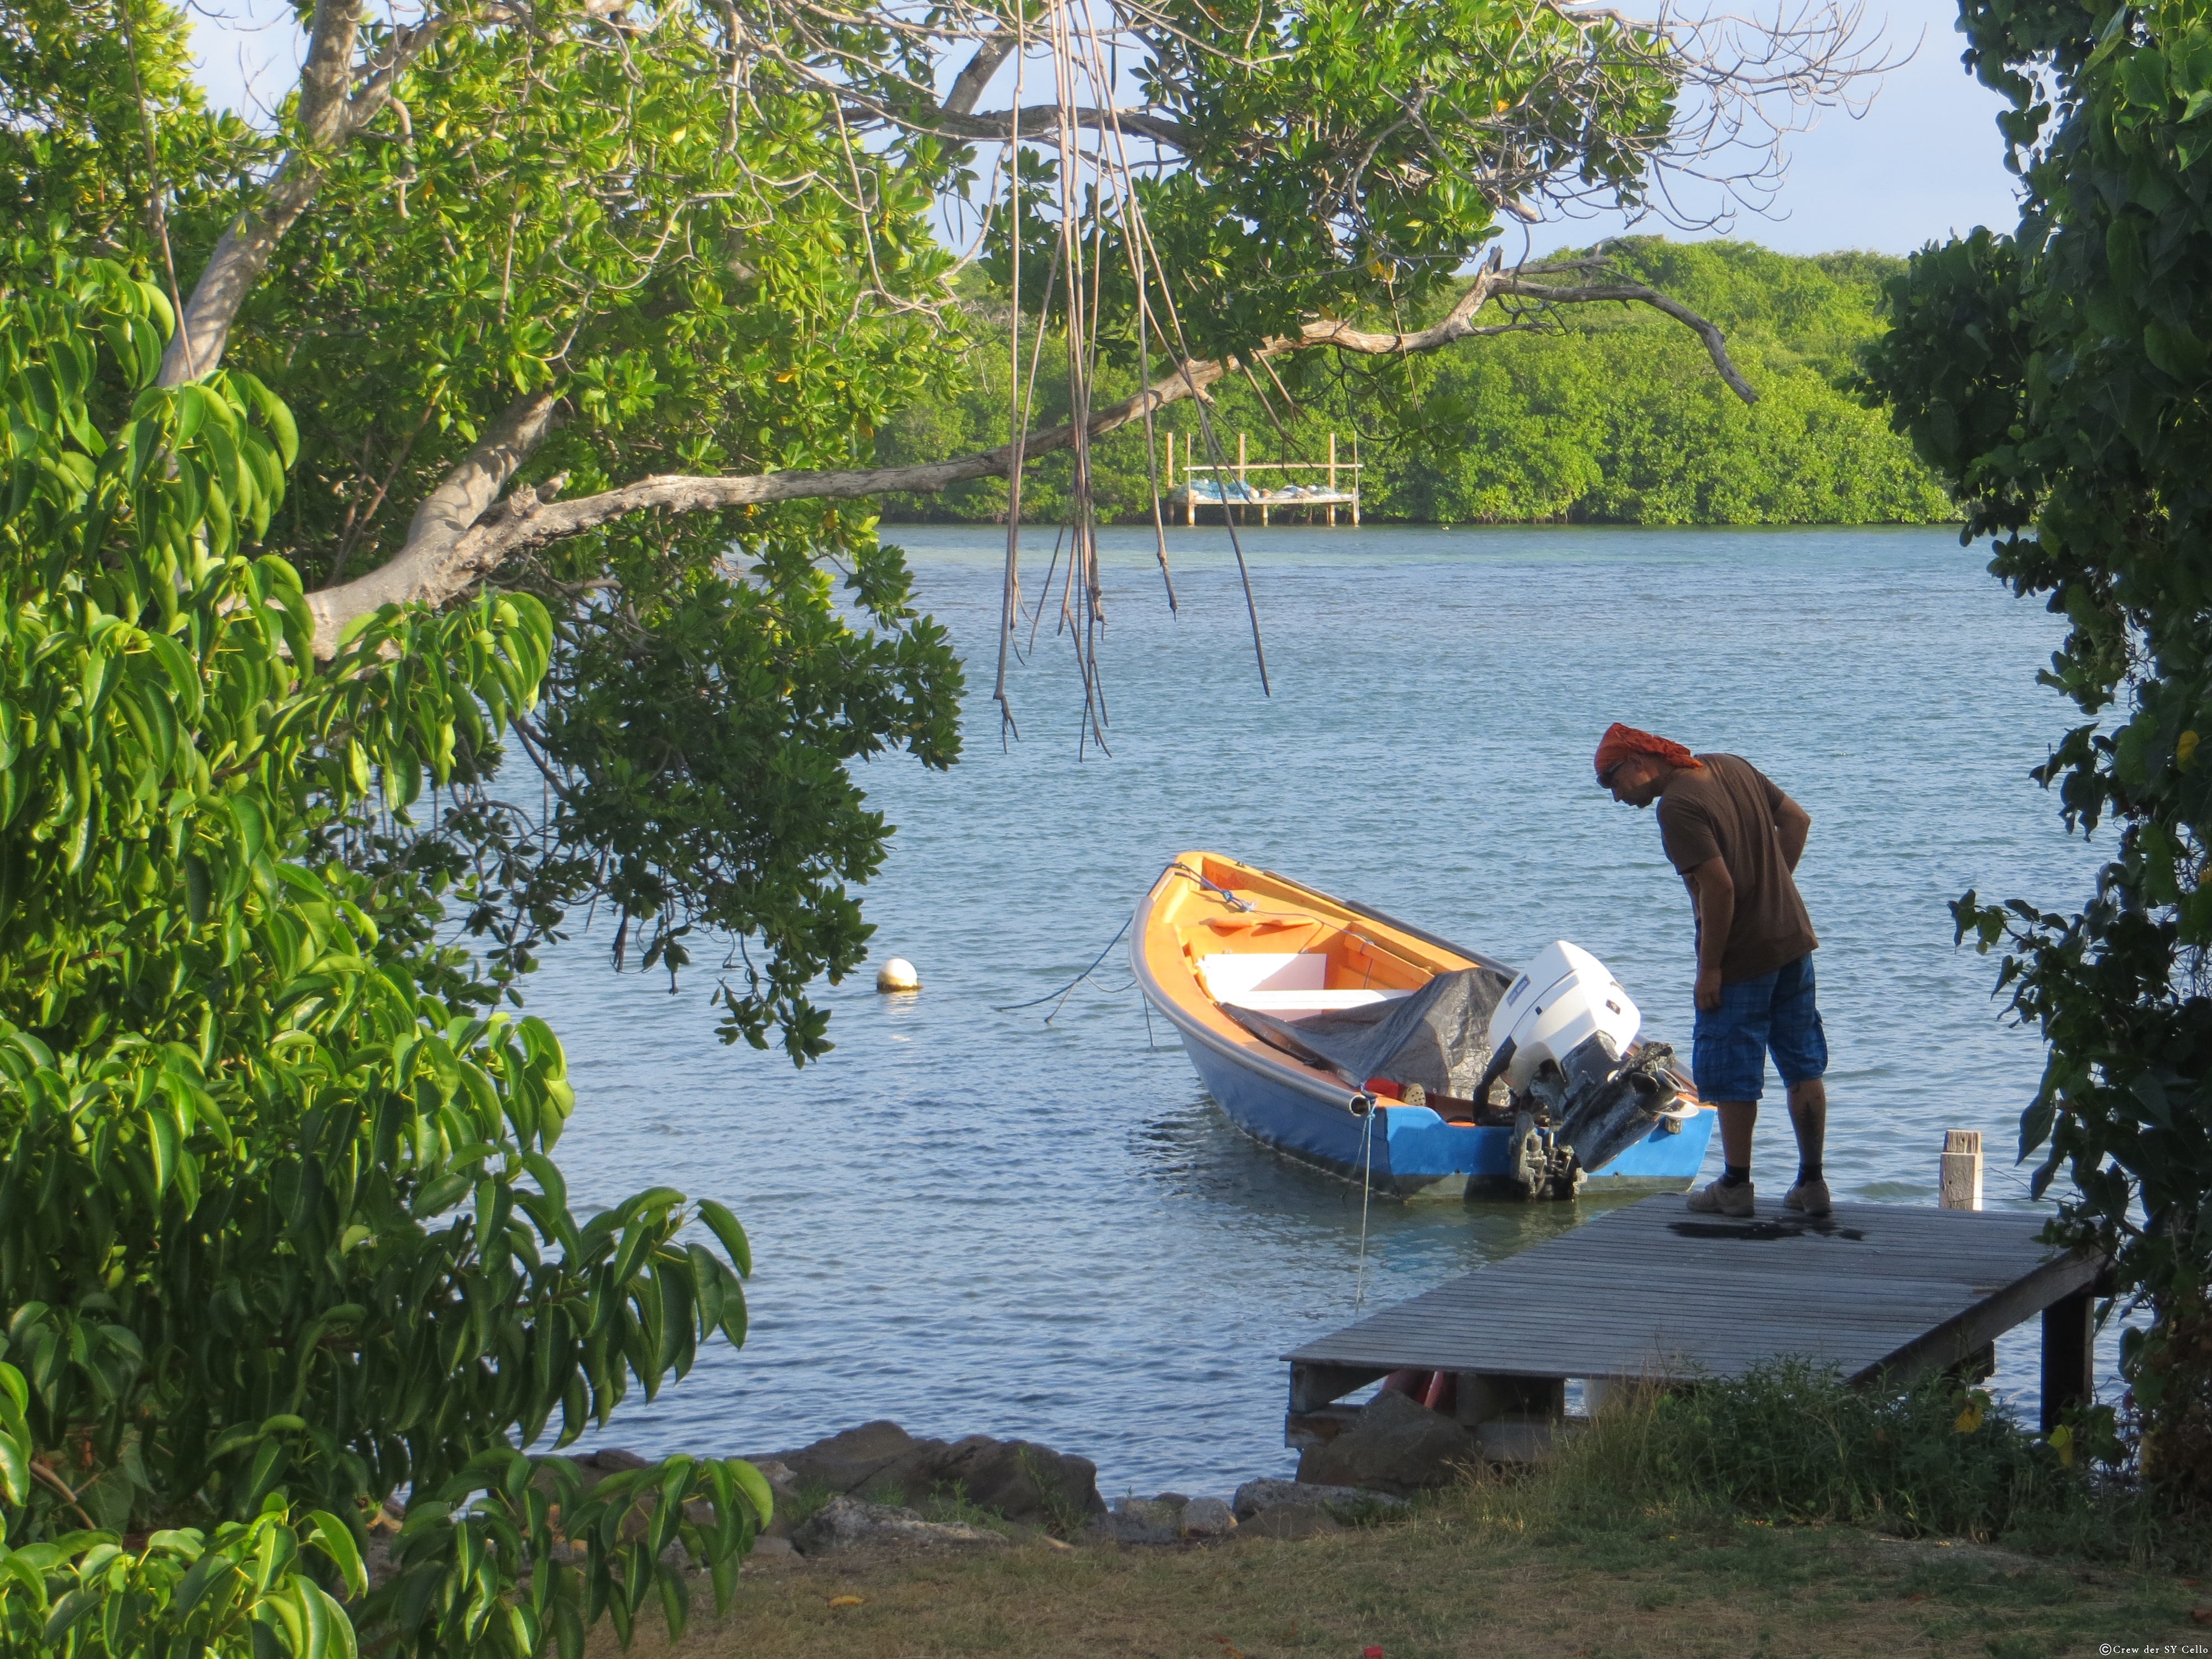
[[897, 974]]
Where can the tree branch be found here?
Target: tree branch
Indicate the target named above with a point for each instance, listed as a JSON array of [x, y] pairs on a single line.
[[446, 518], [326, 119], [446, 554], [1044, 117], [994, 52], [1635, 293]]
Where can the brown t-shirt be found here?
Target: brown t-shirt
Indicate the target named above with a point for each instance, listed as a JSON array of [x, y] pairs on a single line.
[[1728, 809]]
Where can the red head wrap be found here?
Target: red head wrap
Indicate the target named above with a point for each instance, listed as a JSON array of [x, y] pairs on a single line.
[[1620, 741]]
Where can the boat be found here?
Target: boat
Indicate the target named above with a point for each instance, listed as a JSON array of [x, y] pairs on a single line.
[[1350, 1040]]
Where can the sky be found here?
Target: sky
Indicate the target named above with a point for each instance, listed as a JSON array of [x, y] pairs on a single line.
[[1922, 161]]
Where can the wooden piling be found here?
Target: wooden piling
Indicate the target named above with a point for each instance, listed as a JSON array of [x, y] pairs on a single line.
[[2070, 1356], [1960, 1179]]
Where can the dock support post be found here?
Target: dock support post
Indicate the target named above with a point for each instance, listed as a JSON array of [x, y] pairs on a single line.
[[1960, 1177], [1513, 1418], [2070, 1356]]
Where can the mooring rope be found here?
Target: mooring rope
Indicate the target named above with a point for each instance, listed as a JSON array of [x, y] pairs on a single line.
[[1174, 866], [1066, 990], [1366, 1187]]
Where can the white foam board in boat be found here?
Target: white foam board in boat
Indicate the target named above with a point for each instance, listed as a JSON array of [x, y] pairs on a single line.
[[1311, 1002], [1228, 974]]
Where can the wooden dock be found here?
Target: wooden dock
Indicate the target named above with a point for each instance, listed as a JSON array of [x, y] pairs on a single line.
[[1651, 1293], [1230, 489]]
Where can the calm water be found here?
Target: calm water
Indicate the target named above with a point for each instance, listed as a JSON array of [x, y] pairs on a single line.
[[973, 1221]]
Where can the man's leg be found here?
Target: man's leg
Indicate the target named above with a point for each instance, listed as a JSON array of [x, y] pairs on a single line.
[[1729, 1062], [1738, 1119], [1801, 1054], [1808, 1117]]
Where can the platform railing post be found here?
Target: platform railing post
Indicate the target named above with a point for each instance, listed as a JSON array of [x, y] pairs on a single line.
[[2070, 1356], [1960, 1173]]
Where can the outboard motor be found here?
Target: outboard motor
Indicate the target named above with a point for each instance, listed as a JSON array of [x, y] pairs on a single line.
[[1583, 1090]]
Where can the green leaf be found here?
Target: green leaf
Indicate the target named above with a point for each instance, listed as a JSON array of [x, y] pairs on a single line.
[[15, 1471], [755, 1488], [725, 1227]]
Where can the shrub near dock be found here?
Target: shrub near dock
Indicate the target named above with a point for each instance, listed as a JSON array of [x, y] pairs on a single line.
[[279, 1234], [2055, 377], [1789, 1443]]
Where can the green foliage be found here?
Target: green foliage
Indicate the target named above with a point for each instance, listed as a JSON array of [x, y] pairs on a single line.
[[2058, 378], [1615, 417], [1788, 1442], [278, 1222], [664, 266], [1341, 156], [558, 218], [74, 163]]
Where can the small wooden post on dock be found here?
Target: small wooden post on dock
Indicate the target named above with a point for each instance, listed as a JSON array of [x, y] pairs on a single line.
[[1355, 481], [1240, 469], [1960, 1178], [1332, 479]]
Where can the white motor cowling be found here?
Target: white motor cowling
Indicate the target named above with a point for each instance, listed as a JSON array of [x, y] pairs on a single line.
[[1582, 1088], [1560, 1002]]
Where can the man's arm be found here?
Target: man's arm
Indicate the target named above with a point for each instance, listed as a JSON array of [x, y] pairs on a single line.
[[1793, 823], [1713, 889]]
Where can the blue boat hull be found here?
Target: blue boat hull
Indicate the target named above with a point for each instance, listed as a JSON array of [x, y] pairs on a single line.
[[1411, 1150]]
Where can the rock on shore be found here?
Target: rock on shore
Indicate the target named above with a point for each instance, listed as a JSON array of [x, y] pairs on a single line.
[[1028, 1484], [849, 1523]]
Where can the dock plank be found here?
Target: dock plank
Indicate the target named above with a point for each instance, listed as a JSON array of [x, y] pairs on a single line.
[[1649, 1291]]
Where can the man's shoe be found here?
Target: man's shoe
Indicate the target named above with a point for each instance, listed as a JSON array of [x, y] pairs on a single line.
[[1720, 1199], [1809, 1198]]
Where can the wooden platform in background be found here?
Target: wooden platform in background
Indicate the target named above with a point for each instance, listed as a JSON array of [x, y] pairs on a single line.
[[1651, 1292]]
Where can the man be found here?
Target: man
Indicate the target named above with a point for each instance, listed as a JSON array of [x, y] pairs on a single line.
[[1736, 839]]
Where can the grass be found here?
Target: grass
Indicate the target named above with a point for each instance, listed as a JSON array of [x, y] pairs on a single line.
[[951, 1504], [802, 1504], [1451, 1582], [1779, 1516]]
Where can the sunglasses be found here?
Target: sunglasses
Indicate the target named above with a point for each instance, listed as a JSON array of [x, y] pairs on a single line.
[[1605, 778]]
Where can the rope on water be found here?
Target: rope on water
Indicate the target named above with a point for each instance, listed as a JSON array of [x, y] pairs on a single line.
[[1066, 990]]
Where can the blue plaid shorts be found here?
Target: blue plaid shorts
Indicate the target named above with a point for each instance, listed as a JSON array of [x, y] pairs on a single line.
[[1727, 1053]]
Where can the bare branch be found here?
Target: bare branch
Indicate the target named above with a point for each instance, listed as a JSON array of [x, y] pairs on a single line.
[[448, 550], [327, 120], [443, 521], [969, 87], [1043, 118], [1635, 293]]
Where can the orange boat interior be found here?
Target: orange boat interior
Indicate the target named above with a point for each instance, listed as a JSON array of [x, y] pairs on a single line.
[[1300, 949]]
